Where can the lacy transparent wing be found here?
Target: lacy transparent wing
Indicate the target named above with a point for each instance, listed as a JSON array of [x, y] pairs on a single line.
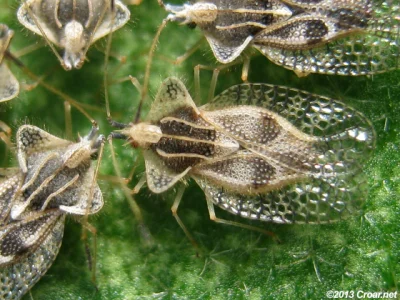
[[18, 278], [362, 55], [374, 50], [315, 201]]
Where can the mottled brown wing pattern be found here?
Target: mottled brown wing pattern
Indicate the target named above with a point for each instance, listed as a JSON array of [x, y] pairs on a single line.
[[236, 24], [332, 122], [340, 37], [55, 178], [359, 39], [266, 134], [319, 187], [247, 173], [159, 177], [16, 279], [263, 151], [64, 166], [230, 25], [8, 188], [19, 238]]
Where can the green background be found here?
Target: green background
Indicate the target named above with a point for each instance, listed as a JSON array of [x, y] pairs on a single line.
[[361, 253]]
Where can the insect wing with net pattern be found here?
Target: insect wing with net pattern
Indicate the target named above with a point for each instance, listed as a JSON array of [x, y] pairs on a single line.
[[55, 178], [260, 151], [341, 37], [73, 25], [9, 85]]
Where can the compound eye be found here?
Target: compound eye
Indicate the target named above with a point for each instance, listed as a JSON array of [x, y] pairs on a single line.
[[191, 25]]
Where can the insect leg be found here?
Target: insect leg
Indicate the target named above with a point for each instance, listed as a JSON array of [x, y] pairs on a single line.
[[134, 2], [180, 59], [161, 3], [105, 73], [246, 67], [39, 80], [174, 210], [85, 223], [214, 218], [144, 232], [28, 49], [5, 135], [213, 84], [145, 88], [91, 257], [68, 120], [8, 172], [139, 185]]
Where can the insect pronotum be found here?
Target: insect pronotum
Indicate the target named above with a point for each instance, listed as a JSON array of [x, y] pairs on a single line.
[[260, 151], [55, 178], [73, 25], [328, 37]]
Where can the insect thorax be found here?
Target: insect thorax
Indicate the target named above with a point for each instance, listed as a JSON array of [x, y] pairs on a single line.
[[201, 12], [41, 166], [236, 20], [143, 134]]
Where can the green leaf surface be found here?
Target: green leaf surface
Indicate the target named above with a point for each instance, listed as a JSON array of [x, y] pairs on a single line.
[[359, 254]]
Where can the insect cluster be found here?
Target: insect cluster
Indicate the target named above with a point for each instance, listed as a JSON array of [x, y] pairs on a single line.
[[259, 151]]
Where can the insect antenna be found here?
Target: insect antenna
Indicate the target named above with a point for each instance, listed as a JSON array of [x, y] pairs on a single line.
[[106, 65], [144, 232], [91, 195], [144, 89], [5, 136]]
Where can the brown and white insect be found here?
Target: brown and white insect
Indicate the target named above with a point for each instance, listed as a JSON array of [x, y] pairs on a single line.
[[73, 25], [340, 37], [9, 85], [259, 151], [55, 178]]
